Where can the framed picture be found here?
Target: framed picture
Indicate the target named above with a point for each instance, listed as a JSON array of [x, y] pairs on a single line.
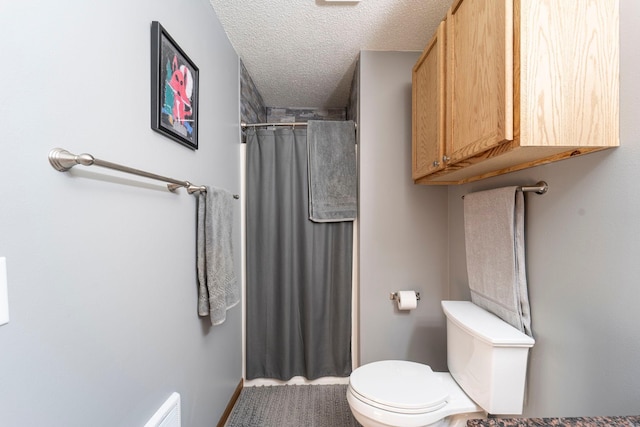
[[174, 89]]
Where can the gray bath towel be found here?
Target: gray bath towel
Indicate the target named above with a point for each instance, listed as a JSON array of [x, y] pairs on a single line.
[[333, 174], [494, 239], [218, 288]]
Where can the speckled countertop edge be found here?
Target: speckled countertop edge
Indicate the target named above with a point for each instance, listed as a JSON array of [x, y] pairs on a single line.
[[630, 421]]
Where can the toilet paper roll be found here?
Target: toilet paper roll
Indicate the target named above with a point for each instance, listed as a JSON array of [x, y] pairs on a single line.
[[407, 300]]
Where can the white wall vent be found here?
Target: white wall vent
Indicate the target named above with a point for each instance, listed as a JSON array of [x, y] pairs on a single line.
[[168, 415]]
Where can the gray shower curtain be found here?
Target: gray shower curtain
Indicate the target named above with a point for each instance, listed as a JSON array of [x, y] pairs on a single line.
[[298, 272]]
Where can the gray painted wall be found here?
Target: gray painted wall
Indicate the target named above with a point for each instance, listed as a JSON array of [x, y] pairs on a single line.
[[402, 227], [102, 284], [583, 247]]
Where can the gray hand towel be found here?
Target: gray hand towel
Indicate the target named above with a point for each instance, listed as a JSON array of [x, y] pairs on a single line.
[[494, 239], [333, 174], [218, 288]]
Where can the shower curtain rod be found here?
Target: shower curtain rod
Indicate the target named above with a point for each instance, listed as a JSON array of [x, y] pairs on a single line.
[[293, 124], [62, 160]]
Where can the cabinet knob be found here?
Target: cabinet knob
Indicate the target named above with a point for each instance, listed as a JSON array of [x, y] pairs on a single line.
[[445, 159], [436, 163]]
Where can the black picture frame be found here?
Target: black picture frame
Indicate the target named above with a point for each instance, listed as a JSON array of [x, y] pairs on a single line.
[[174, 89]]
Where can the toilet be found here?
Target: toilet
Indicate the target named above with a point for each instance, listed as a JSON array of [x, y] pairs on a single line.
[[487, 361]]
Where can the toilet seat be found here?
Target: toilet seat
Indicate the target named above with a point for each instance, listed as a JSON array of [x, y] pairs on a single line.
[[399, 386]]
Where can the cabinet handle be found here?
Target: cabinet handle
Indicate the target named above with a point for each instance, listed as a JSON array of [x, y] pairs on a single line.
[[436, 163], [445, 159]]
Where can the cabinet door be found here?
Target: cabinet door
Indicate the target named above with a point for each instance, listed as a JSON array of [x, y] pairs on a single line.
[[428, 107], [479, 76]]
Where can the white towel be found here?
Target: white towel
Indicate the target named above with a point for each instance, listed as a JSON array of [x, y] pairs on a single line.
[[333, 174], [494, 239], [218, 288]]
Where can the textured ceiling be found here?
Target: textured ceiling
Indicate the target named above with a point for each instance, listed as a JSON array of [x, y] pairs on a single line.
[[302, 53]]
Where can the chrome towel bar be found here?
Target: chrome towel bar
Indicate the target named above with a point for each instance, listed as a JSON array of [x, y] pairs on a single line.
[[62, 160], [541, 187]]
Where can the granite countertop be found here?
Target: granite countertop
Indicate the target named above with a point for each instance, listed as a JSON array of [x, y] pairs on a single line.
[[631, 421]]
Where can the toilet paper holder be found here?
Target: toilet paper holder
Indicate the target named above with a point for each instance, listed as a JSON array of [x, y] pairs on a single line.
[[394, 296]]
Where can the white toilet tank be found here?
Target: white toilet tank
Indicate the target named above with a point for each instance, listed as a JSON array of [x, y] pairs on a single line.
[[487, 357]]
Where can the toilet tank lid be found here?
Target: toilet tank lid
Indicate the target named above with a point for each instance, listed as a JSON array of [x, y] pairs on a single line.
[[484, 325]]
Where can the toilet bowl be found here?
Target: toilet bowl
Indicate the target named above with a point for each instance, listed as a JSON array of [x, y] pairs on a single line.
[[487, 360], [408, 394]]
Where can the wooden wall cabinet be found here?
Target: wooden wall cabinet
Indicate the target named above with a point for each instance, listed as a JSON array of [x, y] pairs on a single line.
[[428, 107], [509, 84]]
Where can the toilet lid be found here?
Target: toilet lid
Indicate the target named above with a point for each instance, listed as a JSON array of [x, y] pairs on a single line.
[[402, 385]]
